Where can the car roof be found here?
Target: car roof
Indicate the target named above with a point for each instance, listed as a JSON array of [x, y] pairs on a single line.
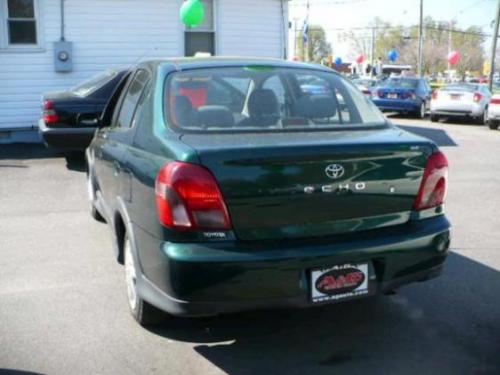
[[181, 63]]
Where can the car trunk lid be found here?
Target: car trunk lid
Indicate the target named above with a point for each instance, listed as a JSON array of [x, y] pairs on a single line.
[[294, 185]]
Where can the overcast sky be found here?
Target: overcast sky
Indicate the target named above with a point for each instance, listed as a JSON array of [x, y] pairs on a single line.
[[345, 14]]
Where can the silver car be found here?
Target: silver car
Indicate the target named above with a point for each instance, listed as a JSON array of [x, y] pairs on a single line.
[[461, 100]]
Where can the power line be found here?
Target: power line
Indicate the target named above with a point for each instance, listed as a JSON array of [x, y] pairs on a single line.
[[426, 27]]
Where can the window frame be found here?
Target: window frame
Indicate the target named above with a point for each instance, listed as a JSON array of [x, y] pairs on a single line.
[[5, 46], [169, 124], [118, 109], [213, 30]]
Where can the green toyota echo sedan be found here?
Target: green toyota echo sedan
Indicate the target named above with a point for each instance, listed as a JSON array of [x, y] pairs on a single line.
[[236, 184]]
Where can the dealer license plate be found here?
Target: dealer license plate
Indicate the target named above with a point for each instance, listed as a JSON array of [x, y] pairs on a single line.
[[340, 282]]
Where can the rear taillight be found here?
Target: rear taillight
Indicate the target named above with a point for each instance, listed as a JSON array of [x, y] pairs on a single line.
[[408, 95], [411, 95], [434, 184], [495, 101], [188, 198], [48, 104], [477, 97], [434, 95], [49, 114]]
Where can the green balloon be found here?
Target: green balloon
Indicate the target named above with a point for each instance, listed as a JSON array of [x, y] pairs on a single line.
[[192, 13]]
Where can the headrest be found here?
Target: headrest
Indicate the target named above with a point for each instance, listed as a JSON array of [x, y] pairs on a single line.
[[183, 112], [263, 102], [215, 116], [316, 106]]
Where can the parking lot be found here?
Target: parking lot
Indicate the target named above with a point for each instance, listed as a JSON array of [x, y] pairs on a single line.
[[63, 305]]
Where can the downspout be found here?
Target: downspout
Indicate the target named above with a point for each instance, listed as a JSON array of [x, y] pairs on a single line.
[[62, 21]]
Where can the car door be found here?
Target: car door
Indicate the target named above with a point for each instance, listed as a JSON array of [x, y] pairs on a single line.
[[113, 140]]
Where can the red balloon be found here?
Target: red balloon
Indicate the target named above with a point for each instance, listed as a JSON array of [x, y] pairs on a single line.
[[454, 57], [360, 59]]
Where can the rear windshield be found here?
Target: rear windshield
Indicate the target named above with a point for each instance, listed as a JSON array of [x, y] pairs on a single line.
[[464, 88], [93, 84], [404, 83], [265, 98]]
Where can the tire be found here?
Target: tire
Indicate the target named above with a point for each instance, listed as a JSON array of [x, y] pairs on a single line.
[[493, 125], [94, 212], [434, 118], [420, 113], [144, 313], [483, 120]]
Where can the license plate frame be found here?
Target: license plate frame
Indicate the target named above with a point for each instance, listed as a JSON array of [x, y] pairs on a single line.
[[340, 282], [392, 96]]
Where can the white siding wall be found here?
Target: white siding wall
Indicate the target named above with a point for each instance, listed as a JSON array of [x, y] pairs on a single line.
[[251, 28], [114, 32]]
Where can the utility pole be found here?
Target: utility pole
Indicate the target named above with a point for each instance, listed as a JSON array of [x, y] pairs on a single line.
[[295, 37], [421, 39], [494, 47]]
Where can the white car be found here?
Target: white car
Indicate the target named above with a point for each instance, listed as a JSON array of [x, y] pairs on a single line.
[[365, 85], [494, 112], [461, 100]]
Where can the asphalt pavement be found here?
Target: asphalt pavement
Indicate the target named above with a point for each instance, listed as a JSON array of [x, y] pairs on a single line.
[[63, 306]]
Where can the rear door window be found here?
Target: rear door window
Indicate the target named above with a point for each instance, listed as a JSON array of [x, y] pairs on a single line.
[[131, 99]]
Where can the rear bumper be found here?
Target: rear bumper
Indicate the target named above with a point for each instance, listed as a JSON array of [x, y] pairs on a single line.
[[398, 105], [472, 110], [66, 138], [494, 112], [197, 279]]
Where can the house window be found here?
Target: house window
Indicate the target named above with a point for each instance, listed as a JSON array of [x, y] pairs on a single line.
[[202, 38], [21, 22]]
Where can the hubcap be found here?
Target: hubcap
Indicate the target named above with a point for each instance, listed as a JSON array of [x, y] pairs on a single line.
[[422, 110], [485, 116], [130, 276]]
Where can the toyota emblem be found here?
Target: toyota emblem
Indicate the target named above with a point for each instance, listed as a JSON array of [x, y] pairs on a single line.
[[334, 171]]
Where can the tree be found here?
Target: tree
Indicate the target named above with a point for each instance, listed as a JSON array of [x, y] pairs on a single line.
[[436, 37], [318, 47], [470, 46]]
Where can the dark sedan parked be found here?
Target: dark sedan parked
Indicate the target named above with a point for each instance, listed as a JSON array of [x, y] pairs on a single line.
[[70, 118], [229, 186]]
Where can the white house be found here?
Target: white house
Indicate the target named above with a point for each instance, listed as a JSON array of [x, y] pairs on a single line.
[[104, 33]]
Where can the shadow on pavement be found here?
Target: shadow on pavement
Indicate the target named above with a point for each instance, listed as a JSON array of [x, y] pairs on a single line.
[[438, 136], [75, 160], [448, 325], [17, 372], [26, 151]]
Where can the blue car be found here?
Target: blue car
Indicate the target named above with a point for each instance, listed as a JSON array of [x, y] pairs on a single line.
[[404, 95]]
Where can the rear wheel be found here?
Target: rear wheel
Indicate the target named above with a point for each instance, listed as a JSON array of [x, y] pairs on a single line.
[[434, 118], [493, 125], [144, 313], [421, 112], [94, 212], [483, 119]]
